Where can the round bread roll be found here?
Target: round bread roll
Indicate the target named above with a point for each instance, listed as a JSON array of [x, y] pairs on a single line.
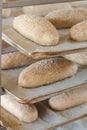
[[69, 99], [24, 112], [15, 59], [79, 31], [67, 17], [80, 58], [42, 10], [6, 13], [46, 71], [37, 29]]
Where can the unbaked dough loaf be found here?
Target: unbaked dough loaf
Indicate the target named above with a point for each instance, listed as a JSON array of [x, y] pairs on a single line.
[[24, 112], [69, 99], [80, 58], [15, 59], [42, 10], [46, 71], [37, 29], [79, 31], [6, 13], [67, 17]]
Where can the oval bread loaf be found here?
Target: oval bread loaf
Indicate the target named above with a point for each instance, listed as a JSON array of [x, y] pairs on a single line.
[[79, 31], [42, 10], [37, 29], [69, 99], [15, 59], [24, 112], [46, 71], [80, 58], [67, 18]]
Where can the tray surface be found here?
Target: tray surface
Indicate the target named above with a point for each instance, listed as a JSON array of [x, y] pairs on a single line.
[[10, 83]]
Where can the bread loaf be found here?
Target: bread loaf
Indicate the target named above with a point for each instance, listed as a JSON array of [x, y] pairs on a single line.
[[42, 10], [46, 71], [24, 112], [80, 58], [69, 99], [15, 59], [37, 29], [79, 31], [67, 18]]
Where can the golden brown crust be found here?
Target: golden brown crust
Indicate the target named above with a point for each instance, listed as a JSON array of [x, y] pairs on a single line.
[[15, 59], [46, 71], [79, 31], [67, 18], [37, 29]]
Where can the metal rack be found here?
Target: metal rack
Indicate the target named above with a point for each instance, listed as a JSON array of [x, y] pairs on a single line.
[[25, 3]]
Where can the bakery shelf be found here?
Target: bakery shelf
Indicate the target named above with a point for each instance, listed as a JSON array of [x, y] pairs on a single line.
[[33, 95], [36, 51], [48, 119]]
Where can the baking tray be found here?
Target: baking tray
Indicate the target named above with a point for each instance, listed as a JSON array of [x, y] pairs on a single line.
[[48, 119], [80, 124], [33, 95], [21, 3], [30, 48]]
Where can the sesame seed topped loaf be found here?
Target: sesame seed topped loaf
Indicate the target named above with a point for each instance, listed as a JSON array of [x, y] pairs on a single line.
[[46, 71], [37, 29]]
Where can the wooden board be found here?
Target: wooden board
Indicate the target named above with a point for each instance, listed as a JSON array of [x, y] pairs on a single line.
[[30, 48], [32, 95], [47, 120]]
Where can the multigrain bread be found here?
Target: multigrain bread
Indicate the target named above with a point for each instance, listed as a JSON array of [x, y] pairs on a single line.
[[42, 10], [15, 59], [69, 99], [79, 31], [24, 112], [46, 71], [67, 17], [80, 58], [6, 13], [37, 29]]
